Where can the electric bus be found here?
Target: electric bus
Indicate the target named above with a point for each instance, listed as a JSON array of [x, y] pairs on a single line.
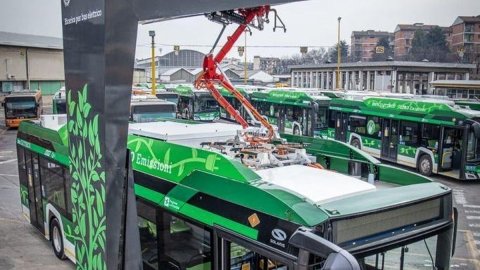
[[195, 104], [149, 108], [205, 200], [20, 106], [59, 103], [293, 111], [434, 136]]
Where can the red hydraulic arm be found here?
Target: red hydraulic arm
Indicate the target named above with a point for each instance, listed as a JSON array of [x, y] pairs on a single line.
[[211, 74]]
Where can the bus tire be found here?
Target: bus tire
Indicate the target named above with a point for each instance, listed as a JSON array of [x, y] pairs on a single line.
[[56, 238], [425, 165], [356, 143], [296, 131]]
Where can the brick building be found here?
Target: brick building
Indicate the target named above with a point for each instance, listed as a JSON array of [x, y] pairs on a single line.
[[466, 38], [404, 34], [364, 42]]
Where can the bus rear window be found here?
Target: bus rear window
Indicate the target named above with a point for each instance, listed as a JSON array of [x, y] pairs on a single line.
[[153, 108]]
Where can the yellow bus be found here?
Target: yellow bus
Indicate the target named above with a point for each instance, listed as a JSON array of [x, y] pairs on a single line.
[[22, 105]]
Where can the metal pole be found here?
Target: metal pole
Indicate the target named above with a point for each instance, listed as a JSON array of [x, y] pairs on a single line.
[[154, 81], [245, 60], [339, 57], [27, 70]]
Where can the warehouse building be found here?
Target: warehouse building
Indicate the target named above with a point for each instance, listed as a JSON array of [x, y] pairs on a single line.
[[31, 62]]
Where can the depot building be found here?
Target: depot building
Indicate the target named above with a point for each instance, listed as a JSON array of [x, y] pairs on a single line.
[[388, 76]]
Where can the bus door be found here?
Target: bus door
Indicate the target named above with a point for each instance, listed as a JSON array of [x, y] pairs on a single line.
[[389, 139], [235, 252], [34, 190], [341, 126]]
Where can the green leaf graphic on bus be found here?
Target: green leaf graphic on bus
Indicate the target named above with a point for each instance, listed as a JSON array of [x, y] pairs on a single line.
[[88, 184], [24, 195]]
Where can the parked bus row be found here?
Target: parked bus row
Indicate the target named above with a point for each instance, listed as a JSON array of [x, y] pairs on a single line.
[[431, 134]]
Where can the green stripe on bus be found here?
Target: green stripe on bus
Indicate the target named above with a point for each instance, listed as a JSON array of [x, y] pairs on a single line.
[[62, 159], [148, 194], [211, 219], [197, 214]]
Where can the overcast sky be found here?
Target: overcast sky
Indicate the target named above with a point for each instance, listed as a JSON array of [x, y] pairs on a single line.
[[310, 23]]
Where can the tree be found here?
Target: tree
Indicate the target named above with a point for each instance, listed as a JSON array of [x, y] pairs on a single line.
[[315, 56], [332, 52], [388, 50], [430, 45]]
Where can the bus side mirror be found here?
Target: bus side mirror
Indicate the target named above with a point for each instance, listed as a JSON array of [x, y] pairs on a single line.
[[339, 261], [476, 129], [336, 258]]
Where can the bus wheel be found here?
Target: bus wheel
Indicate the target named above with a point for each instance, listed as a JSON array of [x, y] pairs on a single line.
[[356, 143], [425, 165], [57, 239], [296, 131]]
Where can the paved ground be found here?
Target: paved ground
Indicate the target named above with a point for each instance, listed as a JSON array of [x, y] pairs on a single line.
[[23, 247]]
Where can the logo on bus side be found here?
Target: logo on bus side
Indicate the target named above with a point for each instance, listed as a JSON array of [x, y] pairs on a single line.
[[278, 237], [371, 127]]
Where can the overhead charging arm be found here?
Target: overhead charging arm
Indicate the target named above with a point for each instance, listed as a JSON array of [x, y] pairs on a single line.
[[212, 73]]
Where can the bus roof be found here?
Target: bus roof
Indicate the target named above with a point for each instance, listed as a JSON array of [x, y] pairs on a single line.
[[25, 93], [291, 97], [433, 111], [187, 90], [164, 150]]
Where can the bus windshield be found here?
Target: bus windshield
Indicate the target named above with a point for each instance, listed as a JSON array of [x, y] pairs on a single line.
[[418, 255], [20, 107], [152, 112], [205, 103], [473, 148]]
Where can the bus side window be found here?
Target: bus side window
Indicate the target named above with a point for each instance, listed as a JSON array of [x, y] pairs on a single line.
[[183, 245], [409, 133], [430, 136], [147, 226], [53, 182]]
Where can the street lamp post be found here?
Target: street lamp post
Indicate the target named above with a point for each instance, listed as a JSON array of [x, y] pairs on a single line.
[[245, 67], [154, 81], [339, 56]]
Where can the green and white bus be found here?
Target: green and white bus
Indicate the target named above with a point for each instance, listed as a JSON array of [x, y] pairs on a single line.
[[149, 109], [246, 91], [293, 111], [434, 136], [59, 104], [195, 104], [204, 204]]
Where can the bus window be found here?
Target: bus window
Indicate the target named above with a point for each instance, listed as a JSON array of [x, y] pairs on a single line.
[[321, 118], [414, 256], [241, 258], [409, 133], [205, 104], [373, 127], [183, 245], [430, 136], [20, 107], [53, 183], [358, 124], [148, 235], [473, 148], [333, 119]]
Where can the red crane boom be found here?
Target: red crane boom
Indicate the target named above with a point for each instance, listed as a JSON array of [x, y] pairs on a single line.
[[212, 74]]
